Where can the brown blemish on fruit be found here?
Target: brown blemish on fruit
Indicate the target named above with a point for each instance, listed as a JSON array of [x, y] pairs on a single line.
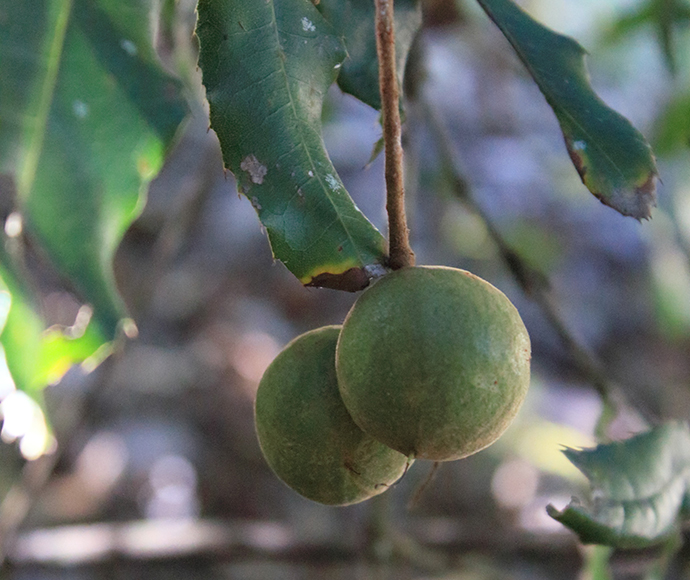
[[348, 465]]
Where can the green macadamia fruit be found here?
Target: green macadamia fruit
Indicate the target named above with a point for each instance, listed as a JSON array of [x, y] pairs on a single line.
[[433, 362], [306, 434]]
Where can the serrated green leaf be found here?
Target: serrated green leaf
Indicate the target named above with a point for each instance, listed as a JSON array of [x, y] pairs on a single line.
[[266, 68], [612, 158], [354, 22], [86, 115], [639, 487]]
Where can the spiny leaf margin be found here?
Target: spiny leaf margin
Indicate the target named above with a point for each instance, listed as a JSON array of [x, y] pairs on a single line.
[[639, 489]]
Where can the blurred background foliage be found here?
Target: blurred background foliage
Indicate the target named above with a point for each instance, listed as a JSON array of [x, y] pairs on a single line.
[[158, 472]]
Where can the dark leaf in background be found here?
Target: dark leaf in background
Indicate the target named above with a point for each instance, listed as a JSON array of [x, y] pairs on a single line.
[[613, 159], [353, 21]]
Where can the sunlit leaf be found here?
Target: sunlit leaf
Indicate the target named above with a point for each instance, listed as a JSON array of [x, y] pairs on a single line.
[[267, 66], [354, 22], [611, 156], [21, 331], [639, 489], [86, 115], [60, 350], [37, 356]]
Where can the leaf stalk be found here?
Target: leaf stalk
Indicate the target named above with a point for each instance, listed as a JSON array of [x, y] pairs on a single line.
[[399, 250]]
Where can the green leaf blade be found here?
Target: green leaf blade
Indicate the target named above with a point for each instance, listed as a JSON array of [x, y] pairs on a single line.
[[613, 159], [354, 23], [20, 335], [36, 356], [266, 67], [99, 116], [639, 488]]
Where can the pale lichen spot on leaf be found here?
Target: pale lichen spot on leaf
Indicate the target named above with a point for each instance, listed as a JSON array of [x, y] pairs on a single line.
[[576, 157], [308, 25], [128, 46], [80, 109], [333, 183], [255, 203], [579, 145], [310, 173], [256, 170]]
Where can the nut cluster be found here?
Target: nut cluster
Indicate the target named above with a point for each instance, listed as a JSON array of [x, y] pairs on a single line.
[[430, 363]]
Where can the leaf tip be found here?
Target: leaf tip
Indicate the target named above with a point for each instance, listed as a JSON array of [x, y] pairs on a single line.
[[638, 203], [571, 453], [646, 193], [634, 200]]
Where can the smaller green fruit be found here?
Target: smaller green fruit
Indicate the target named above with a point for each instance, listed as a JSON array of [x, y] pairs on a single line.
[[306, 434]]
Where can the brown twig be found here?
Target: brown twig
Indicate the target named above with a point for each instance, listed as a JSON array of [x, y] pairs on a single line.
[[400, 253]]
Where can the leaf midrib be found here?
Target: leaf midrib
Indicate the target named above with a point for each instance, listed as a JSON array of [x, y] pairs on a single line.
[[314, 169], [37, 130]]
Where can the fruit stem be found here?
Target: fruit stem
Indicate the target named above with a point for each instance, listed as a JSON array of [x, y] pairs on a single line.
[[399, 250]]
